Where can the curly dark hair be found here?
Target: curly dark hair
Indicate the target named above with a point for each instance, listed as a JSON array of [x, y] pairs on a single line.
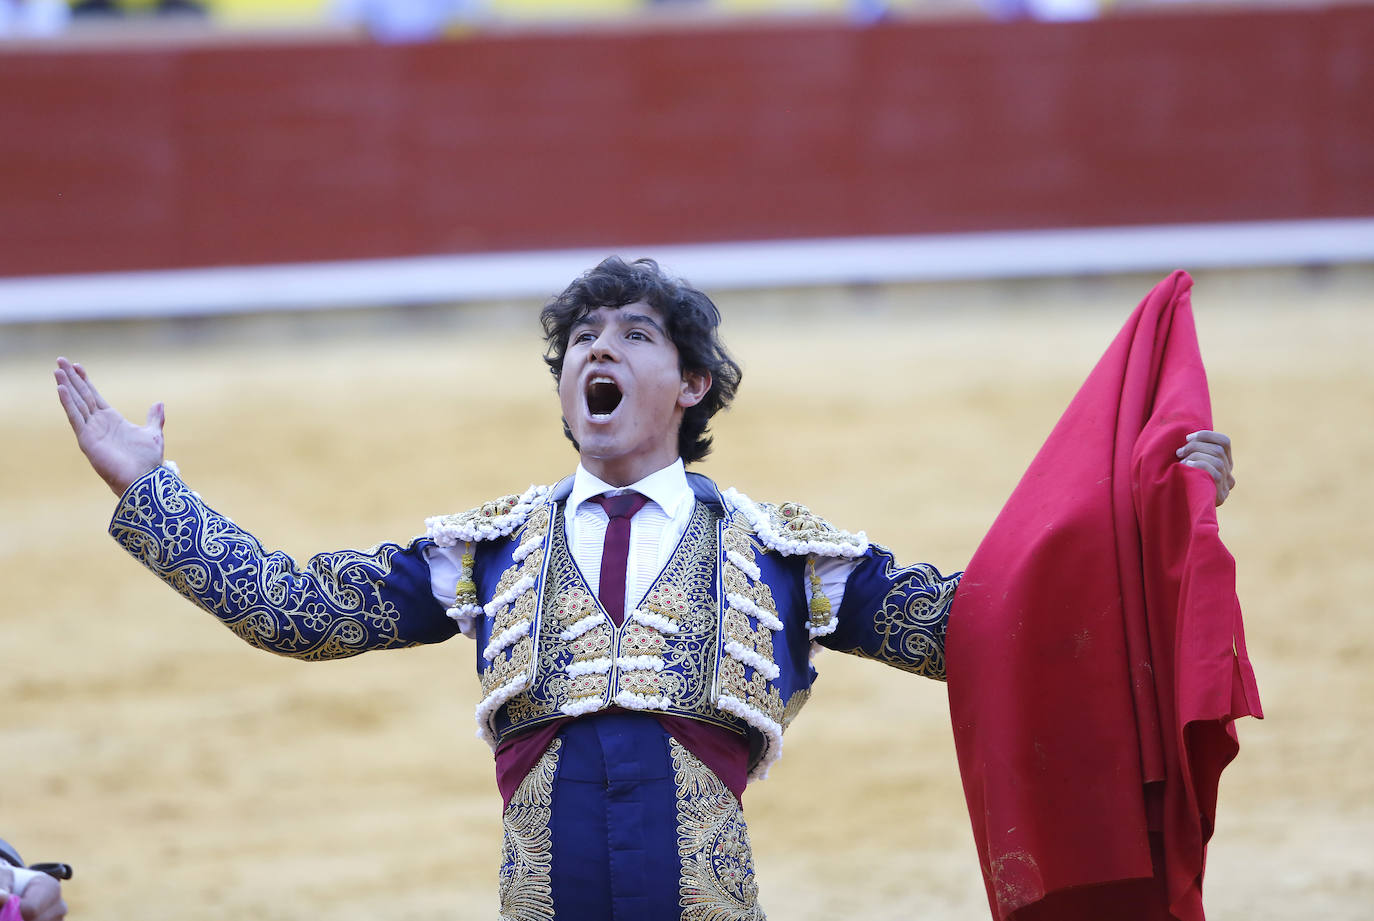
[[692, 322]]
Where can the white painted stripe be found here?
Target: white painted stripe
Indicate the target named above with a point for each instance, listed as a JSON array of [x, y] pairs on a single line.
[[712, 266]]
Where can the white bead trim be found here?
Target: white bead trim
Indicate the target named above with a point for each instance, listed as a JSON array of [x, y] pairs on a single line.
[[522, 585], [826, 630], [582, 626], [448, 530], [746, 566], [656, 621], [581, 705], [505, 638], [632, 701], [589, 667], [492, 702], [772, 732], [747, 606], [465, 616], [845, 544], [640, 663], [528, 547], [748, 656]]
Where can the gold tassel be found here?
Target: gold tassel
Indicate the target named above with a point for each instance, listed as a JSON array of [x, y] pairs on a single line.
[[466, 590], [820, 603]]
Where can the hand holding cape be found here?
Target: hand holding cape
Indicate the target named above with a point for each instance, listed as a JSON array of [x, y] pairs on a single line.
[[1096, 657]]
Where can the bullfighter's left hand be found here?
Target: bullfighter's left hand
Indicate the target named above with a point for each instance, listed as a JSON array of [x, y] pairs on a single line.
[[1210, 451]]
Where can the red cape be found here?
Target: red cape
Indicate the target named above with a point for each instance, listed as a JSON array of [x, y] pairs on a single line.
[[1096, 657]]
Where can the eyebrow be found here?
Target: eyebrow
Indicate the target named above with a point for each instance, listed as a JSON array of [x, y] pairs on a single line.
[[641, 318], [594, 318]]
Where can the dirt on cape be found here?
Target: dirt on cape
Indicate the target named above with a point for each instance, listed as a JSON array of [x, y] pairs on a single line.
[[186, 776]]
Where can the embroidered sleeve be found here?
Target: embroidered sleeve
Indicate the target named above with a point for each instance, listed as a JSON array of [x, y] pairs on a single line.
[[896, 615], [336, 605]]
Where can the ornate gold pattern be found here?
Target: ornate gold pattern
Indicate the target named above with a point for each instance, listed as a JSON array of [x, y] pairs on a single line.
[[526, 888], [795, 522], [683, 596], [794, 706], [638, 639], [739, 628], [668, 601], [717, 882], [762, 596], [536, 524], [909, 625], [740, 541], [571, 604], [755, 691], [505, 669], [334, 606]]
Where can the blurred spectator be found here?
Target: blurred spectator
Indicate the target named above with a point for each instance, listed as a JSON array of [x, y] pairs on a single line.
[[122, 7], [1048, 10], [406, 20], [32, 18]]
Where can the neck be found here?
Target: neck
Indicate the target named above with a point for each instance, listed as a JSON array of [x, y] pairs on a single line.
[[622, 472]]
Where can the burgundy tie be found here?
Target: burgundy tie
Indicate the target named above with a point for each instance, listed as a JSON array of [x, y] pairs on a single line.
[[616, 550]]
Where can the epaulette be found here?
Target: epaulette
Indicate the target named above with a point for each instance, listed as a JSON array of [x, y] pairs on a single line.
[[488, 521], [791, 529]]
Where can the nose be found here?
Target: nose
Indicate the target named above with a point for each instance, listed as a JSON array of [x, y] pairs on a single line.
[[603, 347]]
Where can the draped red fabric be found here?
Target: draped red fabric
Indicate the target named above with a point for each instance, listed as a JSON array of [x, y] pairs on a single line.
[[1096, 658]]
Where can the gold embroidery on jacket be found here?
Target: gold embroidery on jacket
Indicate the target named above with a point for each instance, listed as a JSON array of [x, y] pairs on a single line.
[[332, 607], [717, 882], [526, 888], [682, 597], [754, 690], [504, 669]]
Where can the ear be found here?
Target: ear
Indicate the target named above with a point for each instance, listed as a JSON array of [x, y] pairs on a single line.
[[695, 386]]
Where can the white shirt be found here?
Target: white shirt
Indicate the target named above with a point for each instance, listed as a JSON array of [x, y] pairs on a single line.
[[655, 531]]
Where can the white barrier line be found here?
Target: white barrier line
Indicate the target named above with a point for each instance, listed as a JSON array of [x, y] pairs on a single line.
[[711, 266]]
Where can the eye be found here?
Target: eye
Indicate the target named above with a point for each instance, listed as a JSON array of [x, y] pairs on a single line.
[[637, 334], [585, 336]]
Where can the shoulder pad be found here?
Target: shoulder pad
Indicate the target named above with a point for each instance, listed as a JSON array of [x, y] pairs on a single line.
[[792, 529], [488, 521]]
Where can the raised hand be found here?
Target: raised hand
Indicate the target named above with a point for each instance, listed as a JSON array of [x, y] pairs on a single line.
[[118, 450], [1212, 452]]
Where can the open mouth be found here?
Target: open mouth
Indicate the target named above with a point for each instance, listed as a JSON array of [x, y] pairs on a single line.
[[603, 396]]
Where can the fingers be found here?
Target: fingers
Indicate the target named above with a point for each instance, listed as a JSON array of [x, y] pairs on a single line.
[[157, 416], [1217, 469], [88, 392], [1196, 448], [1211, 451], [1210, 437], [43, 900], [77, 410]]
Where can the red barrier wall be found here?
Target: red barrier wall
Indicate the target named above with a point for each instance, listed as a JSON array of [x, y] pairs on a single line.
[[162, 158]]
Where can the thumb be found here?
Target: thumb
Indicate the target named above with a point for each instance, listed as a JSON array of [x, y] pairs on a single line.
[[157, 415]]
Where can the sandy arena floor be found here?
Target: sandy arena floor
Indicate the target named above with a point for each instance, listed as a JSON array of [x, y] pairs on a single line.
[[186, 776]]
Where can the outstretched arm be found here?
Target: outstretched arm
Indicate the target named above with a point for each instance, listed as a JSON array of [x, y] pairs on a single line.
[[335, 605], [899, 614]]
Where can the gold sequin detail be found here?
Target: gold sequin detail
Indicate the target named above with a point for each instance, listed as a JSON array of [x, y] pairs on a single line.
[[506, 668], [754, 691], [717, 882], [526, 888]]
